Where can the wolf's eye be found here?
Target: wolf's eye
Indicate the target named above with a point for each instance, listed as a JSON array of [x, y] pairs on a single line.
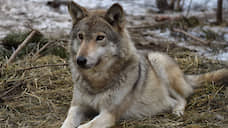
[[100, 38], [80, 36]]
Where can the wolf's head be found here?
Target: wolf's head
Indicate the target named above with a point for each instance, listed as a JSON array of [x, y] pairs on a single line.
[[98, 37]]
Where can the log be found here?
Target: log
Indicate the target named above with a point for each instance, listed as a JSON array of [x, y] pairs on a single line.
[[191, 36]]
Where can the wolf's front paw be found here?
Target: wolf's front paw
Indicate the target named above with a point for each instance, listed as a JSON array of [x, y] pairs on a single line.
[[178, 112], [68, 126], [91, 125], [179, 108], [87, 125]]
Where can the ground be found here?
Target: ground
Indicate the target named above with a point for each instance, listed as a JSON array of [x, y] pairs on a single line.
[[40, 97]]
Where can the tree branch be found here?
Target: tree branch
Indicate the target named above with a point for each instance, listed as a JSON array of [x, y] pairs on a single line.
[[191, 36], [22, 45], [42, 66]]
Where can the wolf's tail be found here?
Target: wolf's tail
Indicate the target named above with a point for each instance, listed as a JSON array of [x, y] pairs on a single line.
[[218, 76]]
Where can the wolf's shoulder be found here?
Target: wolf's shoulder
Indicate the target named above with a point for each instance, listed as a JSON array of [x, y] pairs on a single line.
[[161, 62], [159, 57]]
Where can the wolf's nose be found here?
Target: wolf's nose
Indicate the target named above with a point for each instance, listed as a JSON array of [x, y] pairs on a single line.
[[81, 61]]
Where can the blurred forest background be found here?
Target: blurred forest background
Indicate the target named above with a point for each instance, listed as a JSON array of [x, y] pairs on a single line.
[[35, 82]]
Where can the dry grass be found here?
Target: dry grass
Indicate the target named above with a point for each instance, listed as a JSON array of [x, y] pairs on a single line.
[[40, 98]]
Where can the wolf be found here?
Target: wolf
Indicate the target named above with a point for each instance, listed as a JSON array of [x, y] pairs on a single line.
[[113, 80]]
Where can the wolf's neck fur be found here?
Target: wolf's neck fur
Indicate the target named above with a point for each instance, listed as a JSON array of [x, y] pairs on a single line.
[[99, 79]]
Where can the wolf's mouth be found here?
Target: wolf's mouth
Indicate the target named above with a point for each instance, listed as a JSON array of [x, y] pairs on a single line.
[[90, 66], [98, 62]]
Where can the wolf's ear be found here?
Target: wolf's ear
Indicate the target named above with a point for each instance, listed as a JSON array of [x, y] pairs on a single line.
[[115, 15], [76, 12]]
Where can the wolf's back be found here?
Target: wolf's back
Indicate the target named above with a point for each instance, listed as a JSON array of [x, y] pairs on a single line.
[[218, 76]]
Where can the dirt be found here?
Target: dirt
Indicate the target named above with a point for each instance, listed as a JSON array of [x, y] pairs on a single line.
[[40, 97]]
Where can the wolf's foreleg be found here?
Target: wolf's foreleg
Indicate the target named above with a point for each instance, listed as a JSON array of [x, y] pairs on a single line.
[[104, 120], [179, 108], [75, 116]]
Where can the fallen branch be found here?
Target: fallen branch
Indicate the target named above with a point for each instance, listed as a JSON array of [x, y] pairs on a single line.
[[201, 16], [191, 36], [41, 49], [162, 21], [3, 95], [42, 66], [152, 26], [22, 45]]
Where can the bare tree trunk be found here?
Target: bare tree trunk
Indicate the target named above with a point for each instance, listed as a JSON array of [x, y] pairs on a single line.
[[172, 4], [178, 7], [219, 11], [189, 8], [162, 5]]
